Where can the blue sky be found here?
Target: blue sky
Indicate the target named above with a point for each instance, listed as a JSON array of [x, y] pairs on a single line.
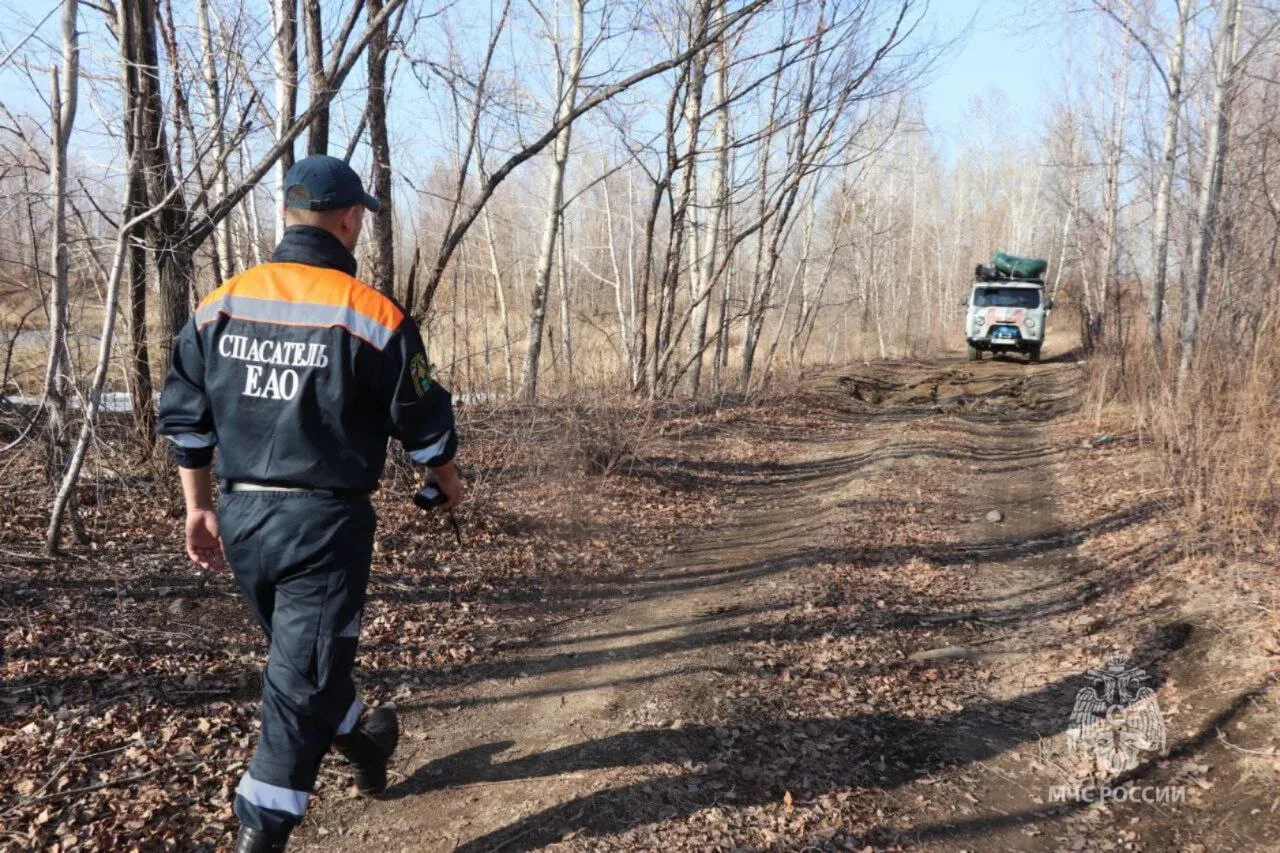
[[1009, 53]]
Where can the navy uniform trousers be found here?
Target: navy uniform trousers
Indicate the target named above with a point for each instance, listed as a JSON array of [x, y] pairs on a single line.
[[302, 560]]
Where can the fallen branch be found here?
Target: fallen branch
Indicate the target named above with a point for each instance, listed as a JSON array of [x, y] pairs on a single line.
[[45, 786], [32, 558], [114, 783], [1265, 753], [35, 798]]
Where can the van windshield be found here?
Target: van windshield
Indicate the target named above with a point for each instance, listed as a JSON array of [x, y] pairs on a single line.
[[1006, 297]]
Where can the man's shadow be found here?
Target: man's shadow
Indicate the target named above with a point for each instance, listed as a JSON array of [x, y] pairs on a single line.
[[756, 763]]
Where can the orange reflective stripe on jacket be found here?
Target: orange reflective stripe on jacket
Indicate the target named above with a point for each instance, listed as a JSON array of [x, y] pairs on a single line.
[[290, 294]]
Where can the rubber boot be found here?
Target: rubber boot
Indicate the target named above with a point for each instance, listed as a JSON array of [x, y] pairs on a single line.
[[369, 747], [252, 840]]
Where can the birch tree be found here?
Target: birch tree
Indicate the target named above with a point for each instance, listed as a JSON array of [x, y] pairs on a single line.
[[683, 225], [1169, 63], [1215, 156], [704, 241], [64, 497], [220, 181], [603, 93], [64, 93], [1173, 85], [837, 71], [567, 76], [1113, 159]]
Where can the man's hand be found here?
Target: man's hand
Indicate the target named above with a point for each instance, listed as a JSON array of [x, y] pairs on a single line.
[[204, 544], [446, 477]]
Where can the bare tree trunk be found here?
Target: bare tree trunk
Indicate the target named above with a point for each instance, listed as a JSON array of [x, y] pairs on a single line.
[[717, 194], [646, 279], [1169, 152], [809, 316], [720, 358], [566, 325], [800, 275], [167, 233], [1215, 157], [253, 222], [224, 245], [64, 500], [285, 49], [689, 220], [928, 300], [619, 299], [462, 294], [675, 231], [135, 195], [684, 217], [567, 92], [758, 295], [64, 91], [453, 323], [143, 391], [313, 27], [500, 291], [1098, 323], [806, 289], [384, 269]]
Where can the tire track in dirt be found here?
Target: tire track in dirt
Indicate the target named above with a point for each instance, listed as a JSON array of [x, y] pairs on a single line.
[[529, 754], [473, 753], [1025, 574]]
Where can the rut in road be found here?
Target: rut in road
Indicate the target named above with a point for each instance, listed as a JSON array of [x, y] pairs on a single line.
[[551, 746]]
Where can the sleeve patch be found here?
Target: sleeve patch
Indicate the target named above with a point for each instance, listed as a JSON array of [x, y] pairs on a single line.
[[420, 373]]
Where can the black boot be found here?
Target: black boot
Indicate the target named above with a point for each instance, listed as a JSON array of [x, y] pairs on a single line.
[[253, 840], [369, 747]]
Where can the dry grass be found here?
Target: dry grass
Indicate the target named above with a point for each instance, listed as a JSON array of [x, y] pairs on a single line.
[[1219, 446], [470, 358]]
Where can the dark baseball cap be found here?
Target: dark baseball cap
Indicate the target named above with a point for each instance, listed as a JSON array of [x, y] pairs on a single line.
[[321, 182]]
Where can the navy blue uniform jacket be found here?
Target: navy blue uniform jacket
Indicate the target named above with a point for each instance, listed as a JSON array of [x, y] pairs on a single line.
[[299, 373]]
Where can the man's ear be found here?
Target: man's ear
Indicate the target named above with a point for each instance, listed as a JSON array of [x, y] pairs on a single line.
[[351, 219]]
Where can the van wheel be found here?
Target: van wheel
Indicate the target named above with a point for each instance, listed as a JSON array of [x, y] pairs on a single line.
[[1033, 355], [975, 354]]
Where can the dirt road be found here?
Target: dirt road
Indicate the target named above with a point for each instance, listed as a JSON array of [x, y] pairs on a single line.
[[859, 658]]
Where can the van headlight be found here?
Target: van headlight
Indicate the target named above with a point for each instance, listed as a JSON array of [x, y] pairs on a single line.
[[1031, 322]]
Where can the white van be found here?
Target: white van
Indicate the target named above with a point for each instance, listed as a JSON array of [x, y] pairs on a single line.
[[1006, 315]]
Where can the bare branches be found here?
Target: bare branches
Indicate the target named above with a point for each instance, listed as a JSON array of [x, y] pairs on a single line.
[[471, 142], [339, 70], [454, 236]]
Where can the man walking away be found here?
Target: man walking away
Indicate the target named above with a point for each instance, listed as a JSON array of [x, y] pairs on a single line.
[[298, 373]]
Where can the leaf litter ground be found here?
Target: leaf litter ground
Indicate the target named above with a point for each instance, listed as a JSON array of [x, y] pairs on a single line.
[[779, 626]]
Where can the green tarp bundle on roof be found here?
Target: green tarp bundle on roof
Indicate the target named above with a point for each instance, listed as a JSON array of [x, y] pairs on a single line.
[[1016, 267]]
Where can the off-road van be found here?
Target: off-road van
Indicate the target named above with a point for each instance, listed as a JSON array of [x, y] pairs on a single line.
[[1005, 313]]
